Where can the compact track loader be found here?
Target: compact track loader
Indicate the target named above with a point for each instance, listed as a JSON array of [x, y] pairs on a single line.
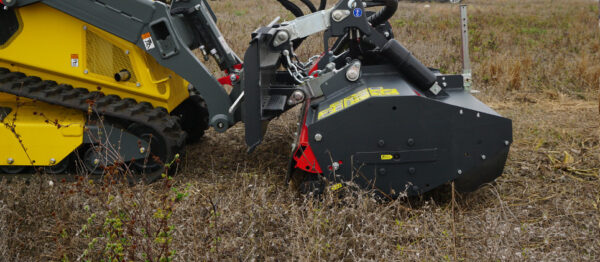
[[117, 82]]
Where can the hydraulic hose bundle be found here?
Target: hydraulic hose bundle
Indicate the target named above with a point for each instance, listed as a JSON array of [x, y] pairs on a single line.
[[389, 9], [380, 17], [292, 7], [297, 11]]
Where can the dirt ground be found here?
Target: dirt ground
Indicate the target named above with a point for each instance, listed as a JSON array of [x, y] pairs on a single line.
[[535, 62]]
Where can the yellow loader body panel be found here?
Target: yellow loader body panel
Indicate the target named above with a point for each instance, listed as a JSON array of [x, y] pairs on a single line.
[[56, 46], [37, 133]]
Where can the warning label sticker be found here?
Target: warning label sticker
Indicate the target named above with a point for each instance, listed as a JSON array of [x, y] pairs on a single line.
[[380, 91], [356, 98], [148, 43], [74, 60], [387, 157]]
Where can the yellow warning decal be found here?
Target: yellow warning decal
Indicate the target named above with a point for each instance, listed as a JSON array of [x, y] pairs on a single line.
[[387, 157], [332, 109], [380, 91], [355, 98], [336, 187]]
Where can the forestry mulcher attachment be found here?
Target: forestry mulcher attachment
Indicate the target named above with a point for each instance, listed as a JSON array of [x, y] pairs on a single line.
[[117, 82]]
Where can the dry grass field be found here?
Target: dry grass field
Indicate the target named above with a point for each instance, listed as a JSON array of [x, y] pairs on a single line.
[[535, 61]]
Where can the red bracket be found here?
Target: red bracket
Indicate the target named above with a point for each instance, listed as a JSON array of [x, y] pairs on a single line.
[[226, 80], [304, 156], [315, 66]]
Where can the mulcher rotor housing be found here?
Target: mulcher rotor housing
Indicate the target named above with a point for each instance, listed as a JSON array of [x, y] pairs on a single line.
[[372, 114]]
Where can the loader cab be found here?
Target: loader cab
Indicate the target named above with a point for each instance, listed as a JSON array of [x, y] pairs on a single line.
[[9, 25]]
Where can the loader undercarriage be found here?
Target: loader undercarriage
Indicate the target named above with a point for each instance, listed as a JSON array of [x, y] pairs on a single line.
[[114, 130]]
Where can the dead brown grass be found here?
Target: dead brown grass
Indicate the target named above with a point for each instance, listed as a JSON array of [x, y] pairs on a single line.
[[536, 62]]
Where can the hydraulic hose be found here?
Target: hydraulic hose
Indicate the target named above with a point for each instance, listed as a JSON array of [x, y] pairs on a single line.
[[389, 9], [376, 19], [322, 5], [409, 65], [292, 8], [310, 5]]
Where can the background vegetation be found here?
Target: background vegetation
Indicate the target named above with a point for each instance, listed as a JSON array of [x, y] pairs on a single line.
[[536, 62]]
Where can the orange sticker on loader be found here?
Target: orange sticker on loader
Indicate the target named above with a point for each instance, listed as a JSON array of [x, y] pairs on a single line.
[[148, 43]]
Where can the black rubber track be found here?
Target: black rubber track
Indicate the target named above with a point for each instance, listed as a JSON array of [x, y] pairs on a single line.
[[114, 109]]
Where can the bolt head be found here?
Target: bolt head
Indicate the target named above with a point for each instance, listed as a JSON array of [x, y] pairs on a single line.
[[410, 142], [382, 171], [353, 72], [483, 157], [352, 4], [335, 165], [233, 77], [282, 36], [318, 137], [296, 97], [412, 170], [85, 71], [96, 161], [506, 142], [10, 160], [352, 75], [52, 161], [460, 112], [381, 143], [138, 84], [459, 172], [142, 150], [220, 125], [478, 115], [337, 15]]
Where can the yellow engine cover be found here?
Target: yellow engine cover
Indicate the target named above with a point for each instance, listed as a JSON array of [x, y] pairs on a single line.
[[38, 134], [56, 46]]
